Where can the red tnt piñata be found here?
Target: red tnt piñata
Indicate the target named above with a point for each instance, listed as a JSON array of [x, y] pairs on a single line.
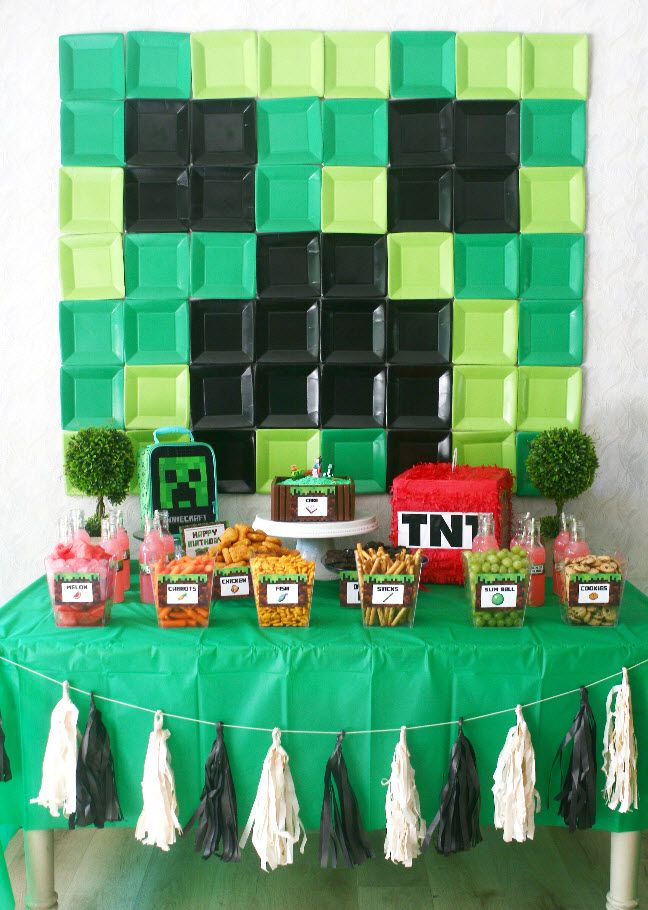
[[436, 508]]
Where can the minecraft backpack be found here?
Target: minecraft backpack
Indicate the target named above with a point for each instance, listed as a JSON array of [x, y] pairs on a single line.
[[179, 477]]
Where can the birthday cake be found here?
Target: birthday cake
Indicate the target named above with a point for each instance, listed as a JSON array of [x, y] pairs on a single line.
[[312, 496]]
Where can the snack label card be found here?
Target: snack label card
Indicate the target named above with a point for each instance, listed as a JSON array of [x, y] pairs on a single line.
[[349, 589], [180, 590], [352, 592], [282, 594], [437, 530], [232, 581], [602, 588], [283, 590], [390, 590], [312, 506], [501, 591], [199, 538], [76, 588]]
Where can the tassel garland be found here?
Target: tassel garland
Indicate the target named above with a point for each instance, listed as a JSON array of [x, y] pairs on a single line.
[[577, 796], [158, 822], [456, 824], [274, 820], [405, 827], [96, 791], [5, 764], [516, 798], [58, 785], [341, 829], [217, 832], [620, 749]]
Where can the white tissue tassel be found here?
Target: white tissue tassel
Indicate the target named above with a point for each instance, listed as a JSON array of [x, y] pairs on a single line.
[[58, 784], [405, 827], [158, 823], [620, 749], [274, 820], [516, 798]]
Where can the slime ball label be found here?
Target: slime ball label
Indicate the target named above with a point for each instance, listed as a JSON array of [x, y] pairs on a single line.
[[593, 593], [182, 594], [282, 593], [498, 596]]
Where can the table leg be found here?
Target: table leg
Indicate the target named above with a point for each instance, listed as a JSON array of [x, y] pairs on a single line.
[[39, 870], [624, 871]]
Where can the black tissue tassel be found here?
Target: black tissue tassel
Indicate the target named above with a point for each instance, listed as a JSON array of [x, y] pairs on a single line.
[[577, 797], [5, 764], [97, 800], [217, 832], [456, 824], [341, 829]]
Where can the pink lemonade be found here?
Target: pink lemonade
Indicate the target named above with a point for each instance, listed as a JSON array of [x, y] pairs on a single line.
[[560, 544], [112, 546], [161, 517], [151, 550], [485, 538], [576, 546], [124, 544], [532, 543], [519, 522]]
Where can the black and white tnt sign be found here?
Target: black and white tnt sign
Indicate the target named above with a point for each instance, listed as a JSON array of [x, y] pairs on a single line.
[[437, 530]]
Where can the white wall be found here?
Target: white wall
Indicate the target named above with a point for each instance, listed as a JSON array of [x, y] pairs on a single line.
[[616, 387]]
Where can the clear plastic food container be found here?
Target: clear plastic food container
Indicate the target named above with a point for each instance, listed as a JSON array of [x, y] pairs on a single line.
[[592, 592], [497, 587], [81, 591]]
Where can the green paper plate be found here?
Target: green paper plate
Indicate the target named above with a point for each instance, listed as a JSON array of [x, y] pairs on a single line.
[[420, 266], [91, 332], [484, 398], [277, 450], [158, 65], [524, 485], [291, 64], [91, 266], [223, 266], [157, 266], [483, 448], [224, 64], [552, 200], [156, 396], [549, 397], [360, 454], [138, 439], [91, 200], [552, 133], [552, 266], [92, 133], [354, 200], [555, 66], [551, 333], [156, 331], [356, 65], [355, 132], [485, 331], [486, 266], [423, 64], [92, 396], [488, 65], [289, 131], [91, 67], [288, 198]]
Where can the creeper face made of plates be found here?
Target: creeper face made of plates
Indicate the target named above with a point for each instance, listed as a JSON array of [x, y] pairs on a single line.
[[183, 482]]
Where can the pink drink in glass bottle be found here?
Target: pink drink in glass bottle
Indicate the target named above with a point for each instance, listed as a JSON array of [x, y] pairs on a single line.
[[485, 538], [151, 550], [560, 544], [124, 542], [161, 517], [532, 543], [112, 546], [519, 522], [79, 533], [576, 546]]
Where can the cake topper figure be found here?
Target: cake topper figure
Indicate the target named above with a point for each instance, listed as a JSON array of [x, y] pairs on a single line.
[[317, 468]]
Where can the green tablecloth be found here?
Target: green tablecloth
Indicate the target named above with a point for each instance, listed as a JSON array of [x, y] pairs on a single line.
[[333, 675]]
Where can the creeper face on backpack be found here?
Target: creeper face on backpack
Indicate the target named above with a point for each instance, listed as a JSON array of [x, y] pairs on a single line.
[[183, 482]]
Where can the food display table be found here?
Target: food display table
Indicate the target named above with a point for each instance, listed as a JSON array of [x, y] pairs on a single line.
[[334, 675]]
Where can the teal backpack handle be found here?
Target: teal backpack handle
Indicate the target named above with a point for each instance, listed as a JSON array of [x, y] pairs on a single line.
[[168, 431]]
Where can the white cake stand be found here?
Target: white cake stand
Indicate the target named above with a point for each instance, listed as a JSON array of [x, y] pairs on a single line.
[[311, 536]]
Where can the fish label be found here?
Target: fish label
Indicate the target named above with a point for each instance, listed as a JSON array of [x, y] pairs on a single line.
[[284, 594]]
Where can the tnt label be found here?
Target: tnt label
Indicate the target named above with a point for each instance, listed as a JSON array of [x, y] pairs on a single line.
[[78, 592], [437, 530], [282, 593], [498, 597], [309, 506], [387, 594], [182, 594], [234, 585], [593, 594]]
